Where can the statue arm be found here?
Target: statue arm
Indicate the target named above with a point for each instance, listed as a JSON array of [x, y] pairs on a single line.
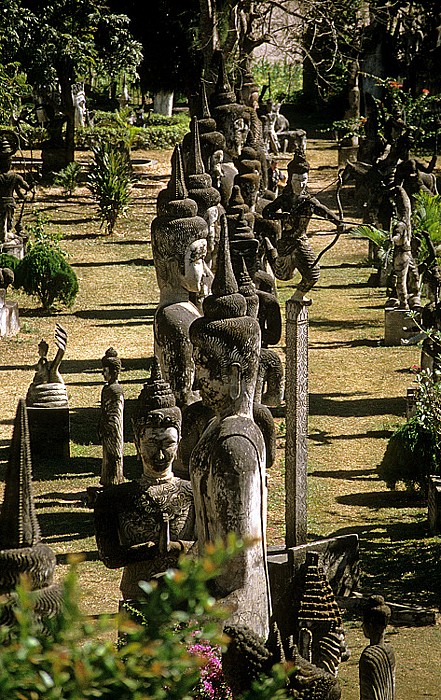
[[325, 212], [61, 342]]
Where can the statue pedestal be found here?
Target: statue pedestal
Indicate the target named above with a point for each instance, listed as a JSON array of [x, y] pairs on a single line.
[[15, 248], [339, 557], [434, 504], [49, 430], [398, 326], [9, 322]]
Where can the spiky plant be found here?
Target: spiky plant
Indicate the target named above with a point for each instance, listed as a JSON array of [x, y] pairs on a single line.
[[110, 182]]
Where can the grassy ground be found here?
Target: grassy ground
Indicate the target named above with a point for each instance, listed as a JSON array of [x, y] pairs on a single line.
[[357, 389]]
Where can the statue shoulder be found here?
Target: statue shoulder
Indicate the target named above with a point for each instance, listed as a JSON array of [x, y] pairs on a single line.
[[238, 428]]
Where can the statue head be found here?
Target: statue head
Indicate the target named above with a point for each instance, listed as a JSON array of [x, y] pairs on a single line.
[[157, 426], [376, 616], [243, 245], [179, 237], [226, 342], [111, 365], [232, 119], [298, 169], [8, 146]]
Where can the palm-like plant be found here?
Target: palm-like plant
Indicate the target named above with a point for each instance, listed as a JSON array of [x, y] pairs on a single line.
[[110, 181]]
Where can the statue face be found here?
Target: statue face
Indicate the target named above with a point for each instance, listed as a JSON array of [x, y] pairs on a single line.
[[299, 182], [211, 218], [157, 447], [107, 374], [197, 275], [214, 390]]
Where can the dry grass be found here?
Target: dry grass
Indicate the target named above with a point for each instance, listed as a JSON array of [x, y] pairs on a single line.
[[357, 389]]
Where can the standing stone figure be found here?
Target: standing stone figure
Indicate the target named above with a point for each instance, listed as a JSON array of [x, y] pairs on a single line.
[[111, 425], [296, 208], [405, 268], [377, 662], [145, 524], [227, 466], [48, 389], [11, 184]]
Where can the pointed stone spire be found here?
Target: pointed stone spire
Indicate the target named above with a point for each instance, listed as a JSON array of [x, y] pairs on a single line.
[[224, 280], [176, 185], [195, 163], [223, 94], [18, 520]]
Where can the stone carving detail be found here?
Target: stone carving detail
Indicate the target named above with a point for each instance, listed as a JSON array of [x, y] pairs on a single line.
[[377, 662], [48, 389], [21, 550], [321, 635], [145, 524], [227, 466], [179, 244], [111, 425], [11, 184]]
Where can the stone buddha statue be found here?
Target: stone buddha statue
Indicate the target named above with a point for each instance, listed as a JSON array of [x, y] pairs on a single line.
[[227, 466], [179, 244], [144, 525], [111, 424], [377, 662]]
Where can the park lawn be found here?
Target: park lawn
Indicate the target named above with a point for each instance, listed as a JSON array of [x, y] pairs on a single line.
[[357, 397]]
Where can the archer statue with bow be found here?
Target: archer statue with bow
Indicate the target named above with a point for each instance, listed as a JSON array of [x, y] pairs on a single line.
[[295, 207], [11, 183]]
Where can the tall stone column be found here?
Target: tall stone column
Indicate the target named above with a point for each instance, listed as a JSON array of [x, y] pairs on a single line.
[[296, 396]]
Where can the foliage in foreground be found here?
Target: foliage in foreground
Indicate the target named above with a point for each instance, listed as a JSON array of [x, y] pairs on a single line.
[[414, 450], [68, 178], [69, 661]]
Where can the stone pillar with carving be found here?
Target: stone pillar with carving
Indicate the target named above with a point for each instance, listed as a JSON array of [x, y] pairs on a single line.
[[296, 395]]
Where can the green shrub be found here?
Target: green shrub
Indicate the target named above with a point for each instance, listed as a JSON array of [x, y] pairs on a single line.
[[9, 261], [110, 181], [69, 661], [68, 178], [45, 273]]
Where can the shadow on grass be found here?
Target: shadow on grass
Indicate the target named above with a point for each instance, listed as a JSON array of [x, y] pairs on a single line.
[[74, 468], [382, 499], [127, 313], [346, 405], [348, 474], [324, 438], [332, 325], [359, 343], [140, 262], [66, 525], [88, 555], [73, 221]]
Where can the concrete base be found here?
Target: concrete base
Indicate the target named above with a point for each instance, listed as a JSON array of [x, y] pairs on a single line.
[[14, 248], [49, 430], [9, 321], [339, 557], [434, 504], [398, 326]]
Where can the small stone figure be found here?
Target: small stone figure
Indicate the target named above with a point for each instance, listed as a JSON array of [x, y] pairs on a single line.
[[11, 184], [405, 268], [377, 662], [295, 207], [145, 524], [22, 553], [227, 466], [111, 425], [48, 389]]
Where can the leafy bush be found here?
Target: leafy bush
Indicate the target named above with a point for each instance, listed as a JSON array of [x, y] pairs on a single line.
[[110, 182], [9, 261], [149, 137], [68, 178], [45, 273], [69, 660], [414, 450], [284, 78]]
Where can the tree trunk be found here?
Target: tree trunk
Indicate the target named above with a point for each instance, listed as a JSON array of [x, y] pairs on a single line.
[[163, 103], [208, 30], [65, 78]]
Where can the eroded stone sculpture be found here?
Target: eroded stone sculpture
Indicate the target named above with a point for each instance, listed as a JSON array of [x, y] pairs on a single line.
[[11, 183], [293, 250], [227, 466], [111, 424], [405, 268], [48, 389], [179, 244], [144, 525], [21, 550], [377, 662]]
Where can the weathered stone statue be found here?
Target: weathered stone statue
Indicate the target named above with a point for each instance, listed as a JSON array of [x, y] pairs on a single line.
[[232, 119], [321, 635], [179, 244], [11, 183], [377, 662], [405, 268], [295, 208], [144, 525], [48, 389], [247, 657], [21, 550], [227, 466], [111, 424]]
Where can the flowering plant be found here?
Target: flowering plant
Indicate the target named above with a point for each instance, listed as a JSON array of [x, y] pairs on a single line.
[[212, 685]]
